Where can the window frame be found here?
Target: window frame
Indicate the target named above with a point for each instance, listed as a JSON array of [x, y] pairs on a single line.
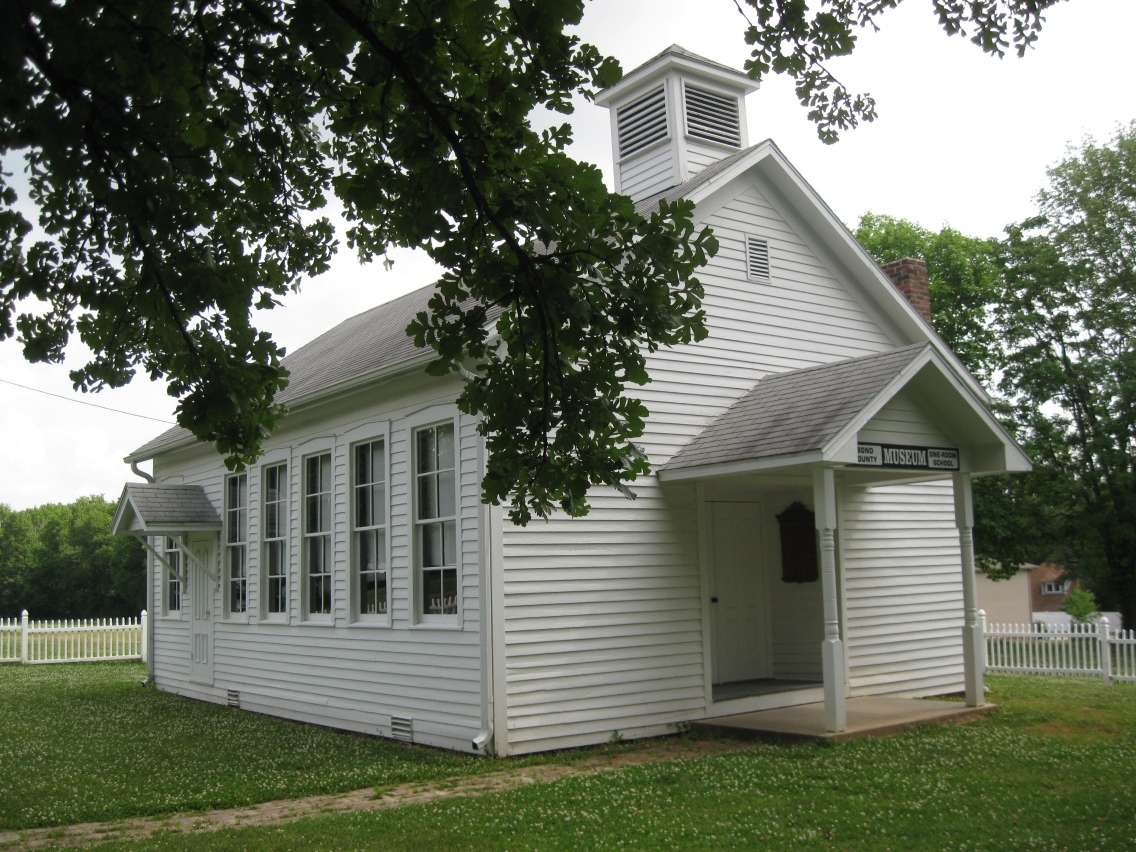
[[431, 419], [1055, 587], [179, 576], [326, 532], [368, 434], [229, 544], [283, 539]]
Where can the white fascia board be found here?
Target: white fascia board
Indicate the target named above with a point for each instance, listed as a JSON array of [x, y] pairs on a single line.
[[840, 447], [835, 448], [120, 515], [668, 62], [733, 468]]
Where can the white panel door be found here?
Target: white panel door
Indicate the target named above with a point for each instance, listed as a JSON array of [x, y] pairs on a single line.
[[201, 569], [738, 603]]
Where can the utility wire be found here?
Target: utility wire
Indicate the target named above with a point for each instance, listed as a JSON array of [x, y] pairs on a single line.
[[85, 402]]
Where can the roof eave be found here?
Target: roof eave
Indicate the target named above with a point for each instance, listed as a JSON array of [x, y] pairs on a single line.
[[664, 62], [303, 402]]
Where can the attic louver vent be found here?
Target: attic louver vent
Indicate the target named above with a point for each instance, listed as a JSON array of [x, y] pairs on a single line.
[[757, 259], [712, 116], [642, 122], [233, 698], [402, 728]]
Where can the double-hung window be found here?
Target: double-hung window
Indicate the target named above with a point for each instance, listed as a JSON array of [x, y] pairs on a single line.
[[172, 575], [369, 511], [274, 558], [317, 534], [236, 552], [435, 520]]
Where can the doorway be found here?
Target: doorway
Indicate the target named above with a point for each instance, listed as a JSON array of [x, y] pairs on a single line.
[[201, 571], [738, 599]]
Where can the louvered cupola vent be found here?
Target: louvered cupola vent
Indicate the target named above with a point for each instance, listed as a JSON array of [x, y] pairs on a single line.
[[757, 259], [712, 116], [642, 122]]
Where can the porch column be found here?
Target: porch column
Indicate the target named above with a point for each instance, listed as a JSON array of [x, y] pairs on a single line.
[[832, 649], [972, 638]]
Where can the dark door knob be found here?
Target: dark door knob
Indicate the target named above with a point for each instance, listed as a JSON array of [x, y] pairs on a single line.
[[714, 599]]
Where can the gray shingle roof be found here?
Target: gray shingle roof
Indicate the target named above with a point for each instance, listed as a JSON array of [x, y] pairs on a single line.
[[794, 412], [364, 343], [168, 505]]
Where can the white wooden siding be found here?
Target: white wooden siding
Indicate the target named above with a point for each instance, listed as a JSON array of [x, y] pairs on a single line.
[[699, 155], [603, 615], [902, 588], [902, 421], [646, 173], [344, 674]]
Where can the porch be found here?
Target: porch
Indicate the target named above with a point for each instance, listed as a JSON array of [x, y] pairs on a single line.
[[868, 716], [813, 468]]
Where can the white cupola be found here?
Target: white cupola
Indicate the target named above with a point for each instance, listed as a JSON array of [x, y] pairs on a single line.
[[672, 117]]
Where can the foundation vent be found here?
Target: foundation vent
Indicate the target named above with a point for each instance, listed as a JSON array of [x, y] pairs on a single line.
[[402, 728], [233, 699]]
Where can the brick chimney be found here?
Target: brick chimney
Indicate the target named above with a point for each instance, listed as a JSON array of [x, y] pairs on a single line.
[[910, 277]]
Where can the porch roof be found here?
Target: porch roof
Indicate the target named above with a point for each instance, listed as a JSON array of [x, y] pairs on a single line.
[[148, 509], [813, 415]]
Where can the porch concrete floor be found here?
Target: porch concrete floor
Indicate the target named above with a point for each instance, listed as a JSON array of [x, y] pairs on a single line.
[[867, 717]]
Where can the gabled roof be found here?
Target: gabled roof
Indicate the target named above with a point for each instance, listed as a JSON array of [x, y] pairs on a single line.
[[774, 166], [814, 415], [794, 412], [372, 342], [149, 509]]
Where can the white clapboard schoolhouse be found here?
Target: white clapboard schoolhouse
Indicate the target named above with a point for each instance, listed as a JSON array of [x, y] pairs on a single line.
[[805, 536]]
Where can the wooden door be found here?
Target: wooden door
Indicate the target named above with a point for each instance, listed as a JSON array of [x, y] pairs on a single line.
[[738, 602], [201, 571]]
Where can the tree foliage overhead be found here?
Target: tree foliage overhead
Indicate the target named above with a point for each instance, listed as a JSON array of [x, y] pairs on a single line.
[[179, 154], [800, 38]]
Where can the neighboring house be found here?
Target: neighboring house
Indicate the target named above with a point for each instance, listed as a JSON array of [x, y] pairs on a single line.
[[1049, 587], [352, 577], [1006, 601]]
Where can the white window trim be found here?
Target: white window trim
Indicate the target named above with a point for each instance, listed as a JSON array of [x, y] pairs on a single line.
[[272, 459], [306, 617], [374, 431], [226, 602], [175, 614], [430, 417], [1055, 587]]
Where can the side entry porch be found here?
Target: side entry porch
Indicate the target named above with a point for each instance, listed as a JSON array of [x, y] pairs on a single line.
[[772, 474]]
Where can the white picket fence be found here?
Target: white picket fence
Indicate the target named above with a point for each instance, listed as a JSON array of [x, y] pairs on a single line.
[[1094, 649], [72, 640]]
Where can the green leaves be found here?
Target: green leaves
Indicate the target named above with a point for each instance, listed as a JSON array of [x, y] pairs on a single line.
[[789, 38]]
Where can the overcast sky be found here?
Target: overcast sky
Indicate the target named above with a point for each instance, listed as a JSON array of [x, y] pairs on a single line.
[[961, 139]]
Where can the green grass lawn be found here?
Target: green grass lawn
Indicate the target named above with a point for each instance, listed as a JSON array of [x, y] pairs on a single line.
[[1053, 769], [87, 742]]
